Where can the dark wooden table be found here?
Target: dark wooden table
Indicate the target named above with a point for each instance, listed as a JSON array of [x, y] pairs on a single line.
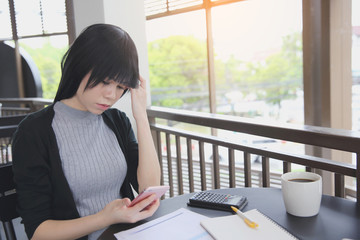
[[338, 218]]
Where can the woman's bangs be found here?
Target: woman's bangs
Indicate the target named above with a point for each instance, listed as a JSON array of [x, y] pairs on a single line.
[[124, 72], [118, 73]]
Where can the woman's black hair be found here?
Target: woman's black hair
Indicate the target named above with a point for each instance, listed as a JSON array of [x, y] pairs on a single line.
[[107, 52]]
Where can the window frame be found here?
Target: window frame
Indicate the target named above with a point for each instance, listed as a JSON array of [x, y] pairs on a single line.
[[206, 5], [69, 10]]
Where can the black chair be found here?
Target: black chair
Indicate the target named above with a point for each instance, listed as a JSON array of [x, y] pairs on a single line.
[[11, 120], [8, 125], [7, 200]]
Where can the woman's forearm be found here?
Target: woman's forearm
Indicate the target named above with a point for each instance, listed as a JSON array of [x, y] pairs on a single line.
[[149, 168], [116, 211], [69, 229]]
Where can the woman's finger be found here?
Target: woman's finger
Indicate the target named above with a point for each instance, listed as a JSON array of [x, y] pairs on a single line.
[[149, 210], [144, 203], [142, 82]]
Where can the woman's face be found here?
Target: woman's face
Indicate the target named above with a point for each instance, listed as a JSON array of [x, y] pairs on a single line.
[[97, 99]]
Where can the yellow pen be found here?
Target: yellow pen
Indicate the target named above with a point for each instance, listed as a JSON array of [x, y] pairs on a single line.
[[249, 222]]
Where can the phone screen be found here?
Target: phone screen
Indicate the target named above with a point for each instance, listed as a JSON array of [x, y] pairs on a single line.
[[158, 190]]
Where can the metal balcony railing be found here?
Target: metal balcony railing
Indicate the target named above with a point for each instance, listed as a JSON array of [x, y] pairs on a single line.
[[188, 169], [12, 111], [18, 106], [193, 161]]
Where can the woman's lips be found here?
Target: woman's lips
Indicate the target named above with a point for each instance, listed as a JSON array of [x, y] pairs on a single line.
[[103, 106]]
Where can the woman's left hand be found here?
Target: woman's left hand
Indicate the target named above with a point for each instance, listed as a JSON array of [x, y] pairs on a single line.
[[118, 211], [148, 171], [138, 99]]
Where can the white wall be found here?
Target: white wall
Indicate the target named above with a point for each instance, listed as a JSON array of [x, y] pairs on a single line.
[[127, 14], [87, 12]]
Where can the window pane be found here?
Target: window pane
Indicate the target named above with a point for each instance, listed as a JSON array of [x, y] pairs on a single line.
[[5, 29], [28, 17], [178, 61], [35, 16], [258, 68], [54, 16], [355, 65], [47, 53], [259, 59]]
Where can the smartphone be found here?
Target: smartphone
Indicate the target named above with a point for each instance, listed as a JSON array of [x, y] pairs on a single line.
[[158, 190]]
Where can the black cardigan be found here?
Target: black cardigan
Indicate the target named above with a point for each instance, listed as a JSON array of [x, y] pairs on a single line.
[[43, 191]]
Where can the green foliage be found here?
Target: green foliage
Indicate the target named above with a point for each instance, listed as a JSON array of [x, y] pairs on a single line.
[[281, 75], [178, 72], [47, 59], [177, 65]]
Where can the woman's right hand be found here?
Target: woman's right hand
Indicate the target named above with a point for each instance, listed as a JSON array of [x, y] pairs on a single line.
[[118, 211]]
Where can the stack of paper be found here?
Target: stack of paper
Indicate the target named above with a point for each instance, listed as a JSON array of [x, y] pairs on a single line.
[[234, 228], [179, 225], [184, 224]]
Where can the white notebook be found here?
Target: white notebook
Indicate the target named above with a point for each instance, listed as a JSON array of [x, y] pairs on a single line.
[[234, 227]]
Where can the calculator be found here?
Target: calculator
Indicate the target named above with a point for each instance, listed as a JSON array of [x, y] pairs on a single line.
[[217, 201]]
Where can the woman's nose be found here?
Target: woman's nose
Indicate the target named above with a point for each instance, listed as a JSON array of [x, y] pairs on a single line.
[[110, 91]]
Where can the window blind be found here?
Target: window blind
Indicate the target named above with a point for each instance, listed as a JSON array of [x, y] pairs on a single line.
[[161, 8], [153, 7]]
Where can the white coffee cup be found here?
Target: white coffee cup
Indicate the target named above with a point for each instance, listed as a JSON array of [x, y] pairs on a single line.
[[302, 193]]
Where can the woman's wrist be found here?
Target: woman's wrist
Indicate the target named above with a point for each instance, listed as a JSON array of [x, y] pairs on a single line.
[[141, 119], [102, 219]]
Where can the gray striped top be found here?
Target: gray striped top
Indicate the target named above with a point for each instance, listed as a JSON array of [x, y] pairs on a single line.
[[92, 160]]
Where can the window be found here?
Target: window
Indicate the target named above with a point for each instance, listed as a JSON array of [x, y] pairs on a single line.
[[178, 61], [5, 31], [255, 60], [251, 55], [355, 65], [39, 29], [258, 59]]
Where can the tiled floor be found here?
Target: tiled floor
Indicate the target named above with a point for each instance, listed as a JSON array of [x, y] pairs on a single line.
[[19, 230]]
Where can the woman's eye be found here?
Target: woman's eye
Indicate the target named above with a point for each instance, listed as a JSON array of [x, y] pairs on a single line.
[[105, 82], [120, 87]]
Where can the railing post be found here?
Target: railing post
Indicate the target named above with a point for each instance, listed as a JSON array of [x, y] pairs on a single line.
[[202, 166], [247, 169], [232, 183], [179, 166], [169, 161], [216, 166], [265, 171], [190, 164], [159, 152], [358, 178], [286, 167], [339, 185]]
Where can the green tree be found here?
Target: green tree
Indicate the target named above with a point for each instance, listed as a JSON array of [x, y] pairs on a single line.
[[47, 59], [178, 73], [281, 75], [178, 70]]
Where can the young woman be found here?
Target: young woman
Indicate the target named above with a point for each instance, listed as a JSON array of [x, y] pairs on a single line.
[[76, 161]]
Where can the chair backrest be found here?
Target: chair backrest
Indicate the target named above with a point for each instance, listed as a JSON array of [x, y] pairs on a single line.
[[8, 125], [7, 194], [11, 120]]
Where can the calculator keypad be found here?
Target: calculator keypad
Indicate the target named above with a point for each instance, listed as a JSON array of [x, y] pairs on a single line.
[[211, 197], [219, 201]]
